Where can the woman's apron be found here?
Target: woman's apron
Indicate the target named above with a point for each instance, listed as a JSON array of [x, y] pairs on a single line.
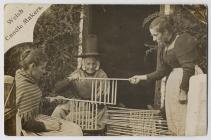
[[175, 111]]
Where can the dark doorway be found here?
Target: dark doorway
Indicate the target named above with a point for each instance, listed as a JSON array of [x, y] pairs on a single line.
[[121, 41]]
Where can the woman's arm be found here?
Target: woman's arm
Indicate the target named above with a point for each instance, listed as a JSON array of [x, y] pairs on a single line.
[[162, 68], [34, 126], [158, 74], [161, 71], [187, 56], [61, 85], [42, 124]]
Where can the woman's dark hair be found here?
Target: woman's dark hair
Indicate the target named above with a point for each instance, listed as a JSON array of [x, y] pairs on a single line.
[[163, 23], [30, 56]]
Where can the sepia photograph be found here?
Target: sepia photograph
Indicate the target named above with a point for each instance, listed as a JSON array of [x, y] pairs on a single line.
[[105, 69]]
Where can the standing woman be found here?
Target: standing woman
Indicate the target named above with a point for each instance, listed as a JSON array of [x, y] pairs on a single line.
[[29, 96], [178, 57]]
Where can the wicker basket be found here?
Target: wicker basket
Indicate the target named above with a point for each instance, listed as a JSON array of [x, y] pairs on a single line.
[[135, 122]]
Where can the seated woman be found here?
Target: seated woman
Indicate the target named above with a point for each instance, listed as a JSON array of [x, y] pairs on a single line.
[[29, 96], [81, 89]]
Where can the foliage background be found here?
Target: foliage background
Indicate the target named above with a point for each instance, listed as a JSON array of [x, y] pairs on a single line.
[[57, 32]]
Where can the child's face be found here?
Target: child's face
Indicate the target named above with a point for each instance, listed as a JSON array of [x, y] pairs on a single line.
[[38, 71]]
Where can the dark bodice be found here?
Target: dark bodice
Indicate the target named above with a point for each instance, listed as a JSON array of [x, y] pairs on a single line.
[[182, 52]]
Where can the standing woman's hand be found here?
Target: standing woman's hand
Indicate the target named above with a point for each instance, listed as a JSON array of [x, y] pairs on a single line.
[[183, 97], [137, 78]]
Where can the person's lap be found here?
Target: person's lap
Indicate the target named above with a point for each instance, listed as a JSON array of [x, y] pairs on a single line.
[[68, 128]]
